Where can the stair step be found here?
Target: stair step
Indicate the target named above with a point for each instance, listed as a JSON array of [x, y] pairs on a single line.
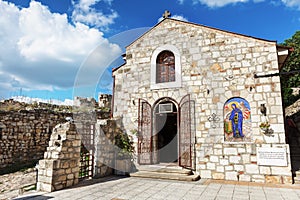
[[162, 175], [166, 170]]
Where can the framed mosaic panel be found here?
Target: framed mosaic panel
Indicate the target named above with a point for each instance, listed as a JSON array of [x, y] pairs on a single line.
[[237, 120]]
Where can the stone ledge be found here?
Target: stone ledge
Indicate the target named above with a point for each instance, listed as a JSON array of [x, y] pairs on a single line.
[[292, 186]]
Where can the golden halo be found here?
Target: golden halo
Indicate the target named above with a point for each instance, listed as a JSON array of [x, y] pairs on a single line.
[[233, 102]]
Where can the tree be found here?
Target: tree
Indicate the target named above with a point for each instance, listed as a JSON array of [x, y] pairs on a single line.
[[289, 81]]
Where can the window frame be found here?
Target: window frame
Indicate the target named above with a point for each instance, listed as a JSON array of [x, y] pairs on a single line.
[[177, 83], [163, 69]]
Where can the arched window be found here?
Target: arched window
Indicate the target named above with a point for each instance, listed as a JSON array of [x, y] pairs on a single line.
[[165, 67]]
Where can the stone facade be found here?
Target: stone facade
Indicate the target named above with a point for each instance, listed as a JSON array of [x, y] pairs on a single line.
[[60, 166], [215, 66], [104, 148]]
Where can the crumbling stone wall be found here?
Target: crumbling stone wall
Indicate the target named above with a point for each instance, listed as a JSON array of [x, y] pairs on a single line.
[[105, 149], [60, 166], [24, 135]]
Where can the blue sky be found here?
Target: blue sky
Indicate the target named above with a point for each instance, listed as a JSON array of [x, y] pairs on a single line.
[[50, 47]]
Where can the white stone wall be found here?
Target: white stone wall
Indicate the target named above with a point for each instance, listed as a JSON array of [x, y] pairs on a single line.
[[216, 66]]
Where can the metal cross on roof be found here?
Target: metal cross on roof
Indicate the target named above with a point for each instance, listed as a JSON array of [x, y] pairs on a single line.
[[166, 14]]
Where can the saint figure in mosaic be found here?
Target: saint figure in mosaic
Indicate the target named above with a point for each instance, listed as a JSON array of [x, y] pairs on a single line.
[[236, 118]]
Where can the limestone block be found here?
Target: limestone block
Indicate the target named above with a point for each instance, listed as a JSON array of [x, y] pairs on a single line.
[[218, 152], [49, 172], [220, 169], [284, 171], [273, 179], [231, 176], [45, 179], [70, 176], [59, 185], [239, 168], [69, 183], [211, 166], [214, 159], [224, 162], [286, 179], [241, 150], [244, 177], [234, 159], [264, 170], [202, 166], [253, 158], [258, 178], [44, 187], [252, 169], [205, 174], [230, 151], [274, 139], [219, 176]]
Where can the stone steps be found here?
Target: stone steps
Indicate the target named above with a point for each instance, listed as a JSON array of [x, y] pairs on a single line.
[[170, 173], [297, 178]]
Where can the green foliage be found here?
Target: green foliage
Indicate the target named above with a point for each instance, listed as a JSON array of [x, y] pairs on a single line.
[[125, 146], [292, 64]]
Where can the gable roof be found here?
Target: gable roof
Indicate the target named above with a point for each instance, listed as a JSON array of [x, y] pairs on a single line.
[[281, 58], [199, 25]]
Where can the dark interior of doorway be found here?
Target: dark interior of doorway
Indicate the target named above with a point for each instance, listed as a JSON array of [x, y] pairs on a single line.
[[167, 137]]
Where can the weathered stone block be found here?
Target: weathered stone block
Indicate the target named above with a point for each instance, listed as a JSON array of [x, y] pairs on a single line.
[[70, 176], [211, 166], [231, 176], [252, 169], [205, 174], [273, 179], [234, 159], [220, 176], [230, 151], [220, 169], [284, 171], [264, 170], [244, 177], [214, 159]]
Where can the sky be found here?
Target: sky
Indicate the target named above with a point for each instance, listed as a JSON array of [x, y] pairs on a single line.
[[59, 49]]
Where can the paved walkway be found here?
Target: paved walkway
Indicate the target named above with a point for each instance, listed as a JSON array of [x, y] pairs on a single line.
[[116, 188]]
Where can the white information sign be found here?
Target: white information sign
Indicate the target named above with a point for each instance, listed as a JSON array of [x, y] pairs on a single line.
[[271, 156]]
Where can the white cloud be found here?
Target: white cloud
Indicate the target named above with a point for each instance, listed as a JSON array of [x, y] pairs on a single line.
[[292, 3], [85, 13], [42, 50], [178, 17], [67, 102], [219, 3]]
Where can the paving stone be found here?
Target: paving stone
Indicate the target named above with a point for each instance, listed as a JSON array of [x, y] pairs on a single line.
[[156, 190]]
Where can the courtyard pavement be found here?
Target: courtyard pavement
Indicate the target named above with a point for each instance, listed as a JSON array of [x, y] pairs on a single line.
[[130, 188]]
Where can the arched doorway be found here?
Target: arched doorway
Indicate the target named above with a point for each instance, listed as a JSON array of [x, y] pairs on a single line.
[[166, 131]]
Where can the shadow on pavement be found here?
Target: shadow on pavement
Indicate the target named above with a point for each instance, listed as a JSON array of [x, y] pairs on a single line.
[[82, 183], [33, 197]]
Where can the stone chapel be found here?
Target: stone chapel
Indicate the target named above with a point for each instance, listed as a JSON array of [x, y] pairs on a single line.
[[204, 99]]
